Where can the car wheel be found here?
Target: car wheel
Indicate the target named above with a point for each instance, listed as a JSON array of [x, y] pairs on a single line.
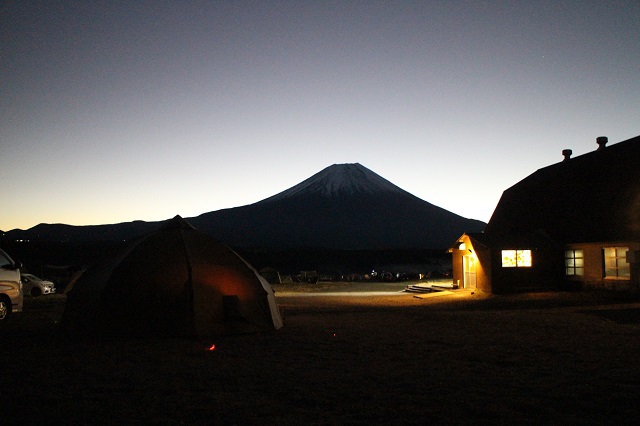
[[5, 309], [35, 292]]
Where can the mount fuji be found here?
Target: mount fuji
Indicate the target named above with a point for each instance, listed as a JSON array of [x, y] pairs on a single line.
[[345, 207]]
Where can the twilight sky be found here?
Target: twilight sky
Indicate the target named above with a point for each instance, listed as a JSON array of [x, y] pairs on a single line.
[[113, 111]]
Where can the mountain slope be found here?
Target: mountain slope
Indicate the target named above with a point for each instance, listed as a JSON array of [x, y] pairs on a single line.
[[345, 206]]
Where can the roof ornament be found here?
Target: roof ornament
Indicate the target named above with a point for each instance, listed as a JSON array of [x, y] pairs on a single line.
[[567, 154]]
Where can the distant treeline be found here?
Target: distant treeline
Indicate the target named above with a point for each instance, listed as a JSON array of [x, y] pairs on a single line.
[[38, 257], [331, 261]]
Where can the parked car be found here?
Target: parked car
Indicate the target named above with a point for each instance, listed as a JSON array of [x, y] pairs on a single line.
[[11, 297], [34, 286]]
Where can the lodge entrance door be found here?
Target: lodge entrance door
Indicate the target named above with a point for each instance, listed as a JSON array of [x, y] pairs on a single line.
[[469, 271]]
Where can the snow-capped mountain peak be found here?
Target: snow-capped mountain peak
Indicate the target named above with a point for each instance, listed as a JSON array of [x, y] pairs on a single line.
[[341, 179]]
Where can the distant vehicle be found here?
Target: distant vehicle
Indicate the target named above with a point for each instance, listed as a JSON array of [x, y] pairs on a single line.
[[11, 297], [34, 286]]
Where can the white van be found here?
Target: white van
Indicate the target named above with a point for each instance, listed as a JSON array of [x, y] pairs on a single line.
[[10, 286]]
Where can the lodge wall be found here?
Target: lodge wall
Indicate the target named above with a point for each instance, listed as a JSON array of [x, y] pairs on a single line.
[[594, 267]]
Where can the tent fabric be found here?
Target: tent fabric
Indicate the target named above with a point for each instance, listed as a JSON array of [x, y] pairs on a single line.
[[175, 281]]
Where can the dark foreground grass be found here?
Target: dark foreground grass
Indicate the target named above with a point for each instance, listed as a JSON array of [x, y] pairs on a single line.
[[395, 359]]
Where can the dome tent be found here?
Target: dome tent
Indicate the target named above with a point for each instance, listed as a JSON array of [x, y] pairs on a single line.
[[175, 281]]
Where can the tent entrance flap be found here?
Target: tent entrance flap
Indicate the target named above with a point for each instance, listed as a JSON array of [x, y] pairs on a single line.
[[231, 305]]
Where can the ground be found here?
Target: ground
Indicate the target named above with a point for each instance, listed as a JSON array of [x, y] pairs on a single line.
[[349, 353]]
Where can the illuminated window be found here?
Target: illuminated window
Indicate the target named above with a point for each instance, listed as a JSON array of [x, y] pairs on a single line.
[[615, 263], [516, 258], [574, 262]]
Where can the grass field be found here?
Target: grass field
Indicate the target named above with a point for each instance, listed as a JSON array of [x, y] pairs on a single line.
[[342, 358]]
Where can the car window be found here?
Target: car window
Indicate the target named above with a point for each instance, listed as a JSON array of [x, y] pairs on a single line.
[[4, 262]]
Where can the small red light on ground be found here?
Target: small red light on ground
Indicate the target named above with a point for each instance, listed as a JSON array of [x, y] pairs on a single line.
[[212, 347]]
